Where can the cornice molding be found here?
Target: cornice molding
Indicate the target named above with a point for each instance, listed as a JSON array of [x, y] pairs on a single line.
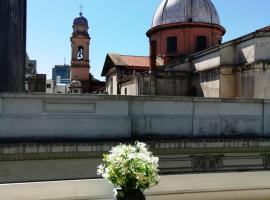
[[182, 25], [36, 151]]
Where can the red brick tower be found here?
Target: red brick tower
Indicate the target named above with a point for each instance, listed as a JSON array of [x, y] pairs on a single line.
[[80, 42], [184, 27]]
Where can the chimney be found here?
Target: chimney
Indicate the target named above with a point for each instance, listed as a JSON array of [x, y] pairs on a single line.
[[153, 55]]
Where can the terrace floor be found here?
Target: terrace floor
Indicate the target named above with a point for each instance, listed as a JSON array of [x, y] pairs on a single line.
[[212, 186]]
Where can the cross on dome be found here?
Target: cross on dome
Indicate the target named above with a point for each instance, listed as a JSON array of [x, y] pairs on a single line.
[[81, 10]]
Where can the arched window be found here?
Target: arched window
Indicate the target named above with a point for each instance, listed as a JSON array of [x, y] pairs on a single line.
[[80, 53], [172, 45], [201, 43]]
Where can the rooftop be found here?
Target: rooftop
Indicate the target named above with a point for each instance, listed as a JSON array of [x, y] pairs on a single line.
[[265, 29], [126, 61]]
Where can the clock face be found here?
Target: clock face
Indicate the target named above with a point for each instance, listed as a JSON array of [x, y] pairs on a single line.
[[80, 53]]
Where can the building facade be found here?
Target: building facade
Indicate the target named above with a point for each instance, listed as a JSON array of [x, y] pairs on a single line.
[[119, 69], [185, 38], [236, 69], [34, 82], [52, 88], [61, 74], [12, 45], [37, 83], [30, 71]]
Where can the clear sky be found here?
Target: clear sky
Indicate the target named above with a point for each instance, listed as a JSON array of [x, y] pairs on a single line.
[[118, 26]]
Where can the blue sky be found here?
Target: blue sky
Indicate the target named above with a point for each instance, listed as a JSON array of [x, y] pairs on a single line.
[[118, 26]]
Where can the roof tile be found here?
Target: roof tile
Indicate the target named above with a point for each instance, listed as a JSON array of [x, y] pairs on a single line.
[[136, 61]]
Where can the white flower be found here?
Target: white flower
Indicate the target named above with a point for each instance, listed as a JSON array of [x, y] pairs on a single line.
[[100, 170], [125, 164]]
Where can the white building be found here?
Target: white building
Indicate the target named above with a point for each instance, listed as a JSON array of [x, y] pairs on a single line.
[[52, 88]]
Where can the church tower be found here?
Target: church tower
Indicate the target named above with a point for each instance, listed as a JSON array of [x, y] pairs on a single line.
[[80, 41]]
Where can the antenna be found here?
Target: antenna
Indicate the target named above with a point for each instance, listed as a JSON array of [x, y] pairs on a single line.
[[65, 60]]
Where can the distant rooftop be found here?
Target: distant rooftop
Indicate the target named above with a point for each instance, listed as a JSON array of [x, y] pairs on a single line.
[[128, 61], [265, 29]]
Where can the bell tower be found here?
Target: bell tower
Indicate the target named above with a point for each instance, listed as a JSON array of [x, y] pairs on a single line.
[[80, 41]]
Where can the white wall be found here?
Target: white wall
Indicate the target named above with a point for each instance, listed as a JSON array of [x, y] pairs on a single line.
[[61, 89], [208, 61], [209, 77], [119, 117], [111, 84], [131, 87], [50, 90], [254, 82], [262, 48], [245, 52]]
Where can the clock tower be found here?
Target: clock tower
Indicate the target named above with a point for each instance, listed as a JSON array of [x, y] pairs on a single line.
[[80, 41]]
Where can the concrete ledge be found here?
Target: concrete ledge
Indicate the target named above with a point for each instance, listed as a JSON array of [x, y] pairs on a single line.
[[125, 98], [223, 186]]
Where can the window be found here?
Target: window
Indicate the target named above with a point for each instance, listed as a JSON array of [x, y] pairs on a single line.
[[126, 91], [48, 86], [172, 45], [80, 53], [201, 43]]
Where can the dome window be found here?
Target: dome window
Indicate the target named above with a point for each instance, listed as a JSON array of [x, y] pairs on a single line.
[[172, 45], [201, 43]]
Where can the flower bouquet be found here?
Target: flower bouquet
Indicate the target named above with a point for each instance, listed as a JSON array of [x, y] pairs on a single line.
[[131, 169]]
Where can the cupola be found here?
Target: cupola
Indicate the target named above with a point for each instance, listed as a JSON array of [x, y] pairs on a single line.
[[183, 27]]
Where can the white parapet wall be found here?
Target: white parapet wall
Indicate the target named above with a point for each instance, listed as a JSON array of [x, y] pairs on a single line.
[[223, 186], [40, 116]]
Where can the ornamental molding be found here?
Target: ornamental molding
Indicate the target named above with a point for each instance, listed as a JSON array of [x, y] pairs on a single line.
[[266, 160], [96, 149], [206, 163]]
